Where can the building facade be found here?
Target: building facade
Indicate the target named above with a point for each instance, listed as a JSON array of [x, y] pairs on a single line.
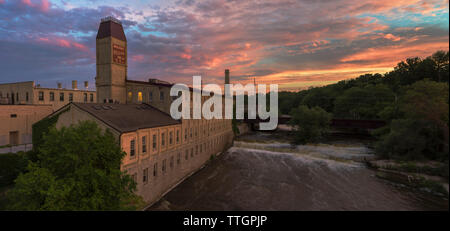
[[161, 151], [16, 122]]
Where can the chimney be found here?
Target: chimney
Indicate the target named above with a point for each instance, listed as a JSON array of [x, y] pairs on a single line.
[[74, 85], [86, 85], [227, 76], [59, 85]]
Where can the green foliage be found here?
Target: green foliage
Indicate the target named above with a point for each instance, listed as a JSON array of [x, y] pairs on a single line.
[[310, 124], [413, 99], [11, 165], [422, 130], [410, 139], [78, 168], [40, 128], [363, 102]]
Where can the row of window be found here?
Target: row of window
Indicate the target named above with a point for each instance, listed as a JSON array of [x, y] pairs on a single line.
[[193, 132], [154, 142], [17, 96], [61, 97], [189, 153], [140, 96]]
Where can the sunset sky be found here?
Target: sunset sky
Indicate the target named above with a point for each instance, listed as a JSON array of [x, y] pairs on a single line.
[[296, 44]]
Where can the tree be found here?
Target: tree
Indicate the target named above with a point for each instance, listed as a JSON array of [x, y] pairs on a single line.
[[363, 102], [310, 124], [441, 60], [421, 128], [78, 168]]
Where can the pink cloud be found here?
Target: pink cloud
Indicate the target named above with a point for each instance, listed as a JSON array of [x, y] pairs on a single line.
[[61, 42]]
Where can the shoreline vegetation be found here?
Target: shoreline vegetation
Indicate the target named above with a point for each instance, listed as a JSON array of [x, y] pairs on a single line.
[[413, 99]]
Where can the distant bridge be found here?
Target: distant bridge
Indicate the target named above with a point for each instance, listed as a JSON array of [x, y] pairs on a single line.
[[335, 122]]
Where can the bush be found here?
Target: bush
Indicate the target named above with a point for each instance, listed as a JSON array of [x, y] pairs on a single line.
[[410, 139], [310, 124], [11, 165], [78, 168]]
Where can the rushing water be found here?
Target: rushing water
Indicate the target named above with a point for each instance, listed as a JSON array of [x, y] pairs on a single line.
[[276, 176]]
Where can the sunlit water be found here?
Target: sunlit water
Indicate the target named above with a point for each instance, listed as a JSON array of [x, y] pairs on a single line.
[[277, 176]]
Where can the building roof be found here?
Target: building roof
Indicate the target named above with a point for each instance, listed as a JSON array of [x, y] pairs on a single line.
[[128, 117], [111, 28]]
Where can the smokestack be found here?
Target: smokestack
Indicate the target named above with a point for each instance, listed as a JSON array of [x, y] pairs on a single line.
[[86, 85], [59, 85], [74, 85], [227, 76]]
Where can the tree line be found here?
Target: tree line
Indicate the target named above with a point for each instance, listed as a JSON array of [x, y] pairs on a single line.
[[413, 99]]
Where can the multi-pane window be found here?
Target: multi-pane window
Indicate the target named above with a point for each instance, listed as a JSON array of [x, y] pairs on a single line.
[[154, 142], [70, 97], [155, 169], [92, 97], [163, 166], [163, 139], [178, 136], [52, 96], [132, 148], [41, 96], [26, 96], [130, 96], [61, 96], [139, 96], [144, 144], [170, 138], [85, 97], [145, 175]]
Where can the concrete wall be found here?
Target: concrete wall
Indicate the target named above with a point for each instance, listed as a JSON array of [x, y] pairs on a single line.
[[20, 118]]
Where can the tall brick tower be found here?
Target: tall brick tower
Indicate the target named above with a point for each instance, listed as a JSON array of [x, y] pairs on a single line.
[[111, 46]]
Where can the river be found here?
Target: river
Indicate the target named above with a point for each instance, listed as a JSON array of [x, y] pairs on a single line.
[[270, 175]]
